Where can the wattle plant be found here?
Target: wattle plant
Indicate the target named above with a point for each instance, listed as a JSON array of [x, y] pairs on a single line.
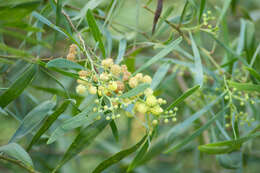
[[129, 86]]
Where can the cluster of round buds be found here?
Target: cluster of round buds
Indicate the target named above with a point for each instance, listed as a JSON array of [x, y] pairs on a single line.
[[207, 18], [111, 82], [72, 52]]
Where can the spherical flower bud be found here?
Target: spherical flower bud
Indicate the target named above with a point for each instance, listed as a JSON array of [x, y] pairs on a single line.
[[147, 79], [104, 77], [96, 101], [94, 109], [148, 92], [142, 108], [105, 107], [133, 82], [226, 97], [115, 69], [92, 90], [112, 86], [107, 118], [124, 68], [71, 57], [155, 122], [160, 101], [118, 115], [174, 119], [139, 76], [151, 100], [73, 48], [175, 109], [113, 117], [81, 89], [83, 73], [107, 63], [166, 120], [120, 86], [126, 75], [157, 110]]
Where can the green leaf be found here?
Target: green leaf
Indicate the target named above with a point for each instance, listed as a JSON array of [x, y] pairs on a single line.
[[24, 37], [226, 146], [159, 75], [135, 91], [185, 95], [245, 86], [33, 119], [16, 151], [254, 73], [95, 31], [13, 51], [84, 139], [18, 86], [114, 130], [47, 22], [17, 12], [63, 63], [121, 50], [202, 7], [72, 123], [223, 11], [47, 124], [196, 133], [229, 161], [118, 156], [198, 69], [160, 55], [139, 156]]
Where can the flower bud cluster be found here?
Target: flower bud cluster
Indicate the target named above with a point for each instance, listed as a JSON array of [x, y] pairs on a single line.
[[72, 52], [113, 80], [208, 18]]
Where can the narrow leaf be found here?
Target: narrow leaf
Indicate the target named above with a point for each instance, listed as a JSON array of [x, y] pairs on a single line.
[[254, 73], [47, 124], [118, 156], [245, 86], [63, 63], [95, 31], [33, 119], [197, 62], [160, 55], [185, 95], [18, 86], [135, 91], [196, 133], [121, 50], [16, 151], [84, 139], [159, 75], [202, 7], [157, 14], [114, 130]]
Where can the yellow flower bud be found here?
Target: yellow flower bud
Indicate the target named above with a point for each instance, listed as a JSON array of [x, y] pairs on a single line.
[[115, 69], [160, 101], [104, 77], [139, 76], [141, 107], [157, 110], [148, 92], [92, 90], [107, 63], [71, 57], [147, 79], [166, 120], [151, 100], [81, 89], [83, 73], [126, 75], [155, 122], [112, 86], [133, 82]]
